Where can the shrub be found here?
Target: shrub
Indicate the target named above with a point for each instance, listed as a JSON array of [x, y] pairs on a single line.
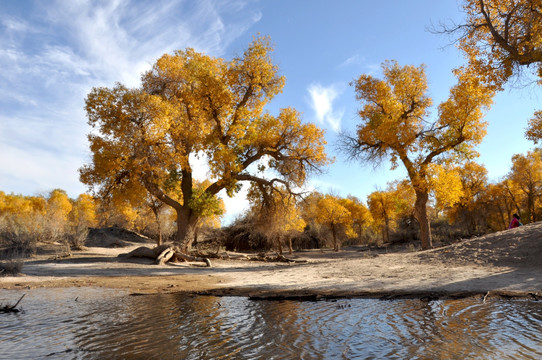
[[17, 236], [11, 266]]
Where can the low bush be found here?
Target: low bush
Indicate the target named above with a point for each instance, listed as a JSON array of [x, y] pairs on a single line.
[[11, 266]]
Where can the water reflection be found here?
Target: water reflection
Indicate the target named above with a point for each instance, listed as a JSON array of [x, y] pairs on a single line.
[[95, 324]]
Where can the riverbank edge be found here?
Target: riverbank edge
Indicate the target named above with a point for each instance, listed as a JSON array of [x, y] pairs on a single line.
[[423, 295], [274, 294]]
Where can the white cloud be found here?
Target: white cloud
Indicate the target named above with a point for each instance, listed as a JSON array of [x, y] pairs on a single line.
[[38, 169], [235, 206], [321, 101], [51, 58], [119, 39], [355, 59]]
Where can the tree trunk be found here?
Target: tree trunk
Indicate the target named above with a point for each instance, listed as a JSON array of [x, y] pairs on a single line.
[[503, 219], [420, 213], [335, 242], [290, 245], [386, 229], [279, 244], [384, 233], [186, 229], [530, 207], [159, 224]]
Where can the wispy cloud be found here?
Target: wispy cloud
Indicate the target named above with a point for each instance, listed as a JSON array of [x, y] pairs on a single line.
[[360, 62], [355, 59], [321, 101], [51, 57]]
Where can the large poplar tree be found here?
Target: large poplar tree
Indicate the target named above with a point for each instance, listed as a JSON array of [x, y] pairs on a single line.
[[188, 105], [395, 125]]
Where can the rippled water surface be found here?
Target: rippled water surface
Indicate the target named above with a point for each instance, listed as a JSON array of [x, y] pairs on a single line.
[[90, 323]]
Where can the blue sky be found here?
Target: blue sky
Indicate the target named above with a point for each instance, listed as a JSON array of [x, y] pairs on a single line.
[[53, 52]]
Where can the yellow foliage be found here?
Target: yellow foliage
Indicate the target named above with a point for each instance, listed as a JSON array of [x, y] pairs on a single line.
[[331, 212], [500, 35], [360, 216], [276, 209], [191, 103], [526, 176], [59, 205], [84, 210], [446, 184], [534, 129], [394, 126], [38, 218]]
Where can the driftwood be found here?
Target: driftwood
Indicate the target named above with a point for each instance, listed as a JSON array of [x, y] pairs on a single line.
[[11, 308], [193, 258], [163, 254], [275, 258]]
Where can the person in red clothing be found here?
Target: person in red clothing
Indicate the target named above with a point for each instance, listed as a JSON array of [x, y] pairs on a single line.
[[515, 222]]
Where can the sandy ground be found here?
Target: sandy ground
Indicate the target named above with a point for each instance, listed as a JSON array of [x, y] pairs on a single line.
[[507, 263]]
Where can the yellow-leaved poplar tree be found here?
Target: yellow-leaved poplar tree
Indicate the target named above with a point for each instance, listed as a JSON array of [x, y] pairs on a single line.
[[446, 185], [383, 206], [188, 105], [502, 38], [335, 216], [361, 218], [526, 176], [275, 213], [395, 125], [467, 211], [499, 37]]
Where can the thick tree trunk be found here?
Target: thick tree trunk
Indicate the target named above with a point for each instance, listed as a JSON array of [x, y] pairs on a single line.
[[186, 229], [420, 213]]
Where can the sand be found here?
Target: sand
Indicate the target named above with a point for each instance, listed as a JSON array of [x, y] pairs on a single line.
[[507, 263]]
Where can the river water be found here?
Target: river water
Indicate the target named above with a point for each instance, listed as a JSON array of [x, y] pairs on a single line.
[[88, 323]]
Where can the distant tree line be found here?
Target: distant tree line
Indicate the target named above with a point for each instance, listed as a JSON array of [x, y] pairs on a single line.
[[191, 105], [463, 203]]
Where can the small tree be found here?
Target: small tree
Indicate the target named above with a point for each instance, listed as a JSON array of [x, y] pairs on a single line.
[[361, 217], [275, 213], [526, 175], [332, 214], [382, 205], [466, 210]]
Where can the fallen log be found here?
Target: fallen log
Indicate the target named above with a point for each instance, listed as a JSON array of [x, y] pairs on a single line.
[[140, 252], [193, 258], [163, 254]]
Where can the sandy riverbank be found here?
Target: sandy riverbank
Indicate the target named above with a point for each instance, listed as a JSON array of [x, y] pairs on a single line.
[[506, 263]]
